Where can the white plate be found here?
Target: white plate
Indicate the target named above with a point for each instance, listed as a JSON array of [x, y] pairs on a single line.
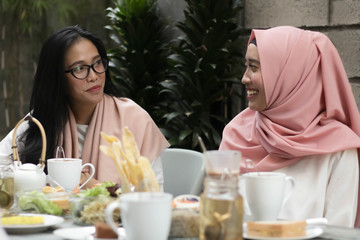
[[74, 233], [310, 233], [184, 238], [80, 233], [49, 220]]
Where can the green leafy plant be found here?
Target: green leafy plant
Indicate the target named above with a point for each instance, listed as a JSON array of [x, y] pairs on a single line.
[[138, 63], [205, 67]]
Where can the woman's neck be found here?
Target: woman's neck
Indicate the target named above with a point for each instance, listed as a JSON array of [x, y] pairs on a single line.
[[83, 114]]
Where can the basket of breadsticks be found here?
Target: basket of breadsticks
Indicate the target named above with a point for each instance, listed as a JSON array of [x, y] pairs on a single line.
[[134, 170]]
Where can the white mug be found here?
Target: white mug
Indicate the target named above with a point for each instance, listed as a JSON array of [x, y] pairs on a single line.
[[66, 172], [265, 194], [144, 215]]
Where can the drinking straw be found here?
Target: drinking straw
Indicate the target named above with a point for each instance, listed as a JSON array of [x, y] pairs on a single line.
[[202, 145], [251, 163]]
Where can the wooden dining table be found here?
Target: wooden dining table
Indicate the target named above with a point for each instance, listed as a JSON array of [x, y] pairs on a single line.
[[329, 232]]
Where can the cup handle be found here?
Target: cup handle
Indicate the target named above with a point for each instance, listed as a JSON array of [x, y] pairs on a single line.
[[242, 185], [290, 180], [92, 173], [109, 215]]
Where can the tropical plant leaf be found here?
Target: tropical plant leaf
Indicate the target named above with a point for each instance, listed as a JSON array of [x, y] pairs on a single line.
[[138, 63], [206, 66]]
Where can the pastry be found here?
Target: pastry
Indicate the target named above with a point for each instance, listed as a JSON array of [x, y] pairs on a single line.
[[276, 229], [103, 230]]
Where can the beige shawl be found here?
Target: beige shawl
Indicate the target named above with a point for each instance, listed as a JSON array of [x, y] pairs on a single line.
[[110, 116]]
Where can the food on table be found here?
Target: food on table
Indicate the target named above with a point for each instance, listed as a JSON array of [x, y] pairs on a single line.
[[61, 199], [284, 229], [48, 189], [58, 196], [134, 170], [184, 223], [185, 217], [103, 230], [62, 203], [94, 211], [22, 220], [38, 202], [186, 201], [89, 206], [115, 190]]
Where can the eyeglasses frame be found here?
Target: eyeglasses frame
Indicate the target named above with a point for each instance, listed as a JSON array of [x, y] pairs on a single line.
[[104, 62]]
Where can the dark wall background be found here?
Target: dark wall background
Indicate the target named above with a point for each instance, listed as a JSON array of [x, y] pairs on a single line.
[[19, 48], [339, 19]]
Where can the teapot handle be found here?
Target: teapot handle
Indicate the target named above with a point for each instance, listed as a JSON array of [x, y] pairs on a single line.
[[14, 147]]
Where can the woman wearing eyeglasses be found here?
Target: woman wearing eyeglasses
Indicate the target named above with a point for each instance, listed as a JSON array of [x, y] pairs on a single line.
[[74, 99]]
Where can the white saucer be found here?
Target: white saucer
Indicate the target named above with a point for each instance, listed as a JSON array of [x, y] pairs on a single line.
[[81, 233], [310, 233]]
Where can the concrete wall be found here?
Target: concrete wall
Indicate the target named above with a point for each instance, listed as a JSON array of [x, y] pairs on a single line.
[[338, 19]]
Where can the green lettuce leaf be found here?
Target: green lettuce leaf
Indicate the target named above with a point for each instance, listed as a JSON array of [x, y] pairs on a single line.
[[38, 202], [97, 191]]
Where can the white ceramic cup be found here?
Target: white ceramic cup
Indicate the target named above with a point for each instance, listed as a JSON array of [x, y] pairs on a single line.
[[265, 193], [66, 172], [144, 215]]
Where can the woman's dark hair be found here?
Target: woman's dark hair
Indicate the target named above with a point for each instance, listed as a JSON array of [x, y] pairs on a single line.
[[49, 103]]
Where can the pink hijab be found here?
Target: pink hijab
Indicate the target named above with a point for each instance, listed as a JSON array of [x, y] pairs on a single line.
[[110, 116], [310, 102]]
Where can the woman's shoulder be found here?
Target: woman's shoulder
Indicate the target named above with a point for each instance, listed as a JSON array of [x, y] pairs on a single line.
[[337, 156], [120, 100], [319, 162], [126, 105]]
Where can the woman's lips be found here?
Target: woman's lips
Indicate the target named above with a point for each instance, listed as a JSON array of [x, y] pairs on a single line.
[[94, 88], [251, 93]]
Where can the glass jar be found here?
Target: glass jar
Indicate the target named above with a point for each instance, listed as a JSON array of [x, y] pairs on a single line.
[[221, 209], [6, 182]]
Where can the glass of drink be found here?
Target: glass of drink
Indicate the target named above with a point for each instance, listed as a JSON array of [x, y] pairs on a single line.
[[6, 182], [221, 210], [222, 163]]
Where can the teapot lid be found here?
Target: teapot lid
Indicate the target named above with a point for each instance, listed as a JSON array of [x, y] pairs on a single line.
[[28, 167]]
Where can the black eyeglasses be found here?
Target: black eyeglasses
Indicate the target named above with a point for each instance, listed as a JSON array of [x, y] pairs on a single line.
[[81, 72]]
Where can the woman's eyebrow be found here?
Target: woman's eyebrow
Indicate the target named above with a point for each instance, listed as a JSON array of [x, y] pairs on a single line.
[[252, 60], [76, 63], [81, 62]]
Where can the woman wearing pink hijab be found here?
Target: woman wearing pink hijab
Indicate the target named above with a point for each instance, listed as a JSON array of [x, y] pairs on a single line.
[[302, 120]]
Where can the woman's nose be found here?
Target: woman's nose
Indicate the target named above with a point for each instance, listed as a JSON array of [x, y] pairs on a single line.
[[92, 75], [245, 79]]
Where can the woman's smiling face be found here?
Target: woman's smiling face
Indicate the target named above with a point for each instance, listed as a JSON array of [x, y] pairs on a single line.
[[89, 91], [253, 81]]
